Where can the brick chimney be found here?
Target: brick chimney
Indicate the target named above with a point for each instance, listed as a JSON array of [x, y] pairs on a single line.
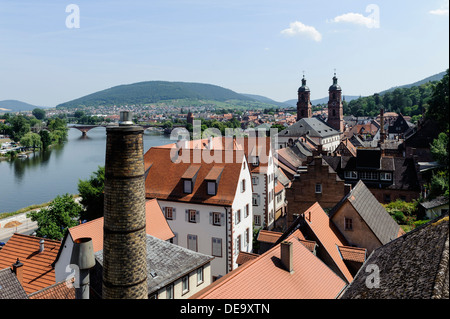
[[287, 256], [124, 235], [17, 268]]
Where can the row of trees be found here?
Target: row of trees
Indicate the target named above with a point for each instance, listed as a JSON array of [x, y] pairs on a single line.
[[412, 102]]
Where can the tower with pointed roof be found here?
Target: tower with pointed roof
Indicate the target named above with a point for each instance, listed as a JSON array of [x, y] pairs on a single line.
[[335, 107], [304, 107]]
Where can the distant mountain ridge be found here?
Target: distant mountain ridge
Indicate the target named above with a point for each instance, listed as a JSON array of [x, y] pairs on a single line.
[[153, 92], [16, 106], [436, 77]]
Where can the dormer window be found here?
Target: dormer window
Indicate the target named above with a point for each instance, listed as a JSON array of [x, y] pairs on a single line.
[[211, 188], [187, 186], [255, 161]]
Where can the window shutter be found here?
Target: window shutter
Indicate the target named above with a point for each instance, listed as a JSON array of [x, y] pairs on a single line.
[[186, 214], [174, 213], [210, 218], [164, 211], [222, 219], [197, 216]]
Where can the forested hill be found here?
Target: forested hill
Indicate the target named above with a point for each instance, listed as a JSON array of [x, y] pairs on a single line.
[[411, 100], [155, 91]]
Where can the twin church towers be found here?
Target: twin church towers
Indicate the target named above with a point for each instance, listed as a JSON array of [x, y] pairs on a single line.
[[335, 108]]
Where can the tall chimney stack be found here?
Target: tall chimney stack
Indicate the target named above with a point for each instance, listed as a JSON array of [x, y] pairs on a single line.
[[381, 125], [287, 256], [17, 268], [124, 235], [83, 257]]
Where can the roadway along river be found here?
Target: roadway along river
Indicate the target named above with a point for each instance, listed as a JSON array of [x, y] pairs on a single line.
[[44, 175]]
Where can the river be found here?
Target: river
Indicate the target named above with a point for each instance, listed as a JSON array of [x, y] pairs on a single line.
[[44, 175]]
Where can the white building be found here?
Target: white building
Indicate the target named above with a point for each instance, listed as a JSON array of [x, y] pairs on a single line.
[[317, 131], [206, 195]]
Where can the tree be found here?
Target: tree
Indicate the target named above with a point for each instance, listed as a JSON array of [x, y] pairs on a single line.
[[54, 221], [46, 139], [31, 140], [438, 103], [38, 113], [91, 192]]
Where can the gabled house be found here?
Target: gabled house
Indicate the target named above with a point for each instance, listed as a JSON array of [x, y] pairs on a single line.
[[319, 132], [32, 257], [413, 266], [206, 196], [399, 127], [174, 272], [289, 270], [156, 225], [363, 221]]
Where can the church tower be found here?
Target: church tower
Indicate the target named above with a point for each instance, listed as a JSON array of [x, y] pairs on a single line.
[[304, 108], [335, 107]]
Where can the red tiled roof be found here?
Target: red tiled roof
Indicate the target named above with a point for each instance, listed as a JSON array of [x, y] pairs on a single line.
[[266, 278], [38, 272], [164, 182], [353, 253], [243, 257], [57, 291], [268, 236], [156, 225], [320, 224]]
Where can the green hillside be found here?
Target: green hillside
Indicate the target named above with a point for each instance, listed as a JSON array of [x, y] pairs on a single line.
[[153, 92], [16, 106]]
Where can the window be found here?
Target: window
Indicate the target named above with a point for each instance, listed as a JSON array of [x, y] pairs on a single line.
[[192, 216], [200, 276], [185, 284], [255, 199], [373, 176], [187, 186], [351, 174], [216, 219], [192, 242], [348, 223], [211, 188], [257, 220], [238, 216], [169, 212], [169, 292], [246, 211], [318, 188], [247, 237], [243, 186], [386, 176], [238, 245], [255, 161], [255, 180], [217, 247]]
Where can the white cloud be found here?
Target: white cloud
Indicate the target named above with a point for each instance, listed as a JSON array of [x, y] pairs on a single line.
[[442, 11], [372, 20], [298, 28]]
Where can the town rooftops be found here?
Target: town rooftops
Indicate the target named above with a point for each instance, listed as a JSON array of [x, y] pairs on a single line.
[[413, 266], [156, 225], [38, 272], [165, 175], [308, 126], [166, 262], [266, 277], [372, 212]]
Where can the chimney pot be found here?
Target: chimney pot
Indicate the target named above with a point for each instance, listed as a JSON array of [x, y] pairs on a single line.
[[41, 245], [17, 268], [125, 118], [287, 256]]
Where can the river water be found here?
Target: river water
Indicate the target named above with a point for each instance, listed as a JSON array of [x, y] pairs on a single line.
[[44, 175]]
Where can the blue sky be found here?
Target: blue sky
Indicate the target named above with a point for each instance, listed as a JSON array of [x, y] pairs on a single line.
[[249, 46]]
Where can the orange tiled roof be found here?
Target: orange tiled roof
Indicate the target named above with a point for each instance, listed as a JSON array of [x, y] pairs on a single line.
[[353, 253], [156, 225], [38, 272], [320, 224], [266, 278], [268, 236], [164, 182], [243, 257], [57, 291]]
